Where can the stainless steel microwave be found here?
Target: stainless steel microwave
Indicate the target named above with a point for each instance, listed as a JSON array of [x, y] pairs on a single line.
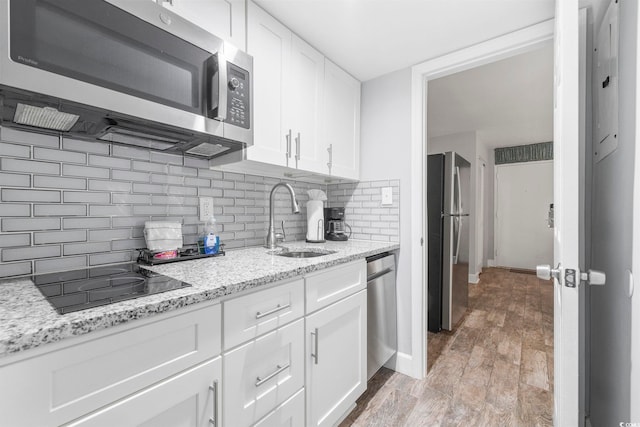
[[123, 71]]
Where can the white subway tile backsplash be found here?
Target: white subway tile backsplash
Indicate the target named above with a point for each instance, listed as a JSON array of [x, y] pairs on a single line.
[[86, 248], [14, 209], [28, 253], [85, 223], [41, 181], [29, 166], [8, 240], [85, 146], [59, 210], [29, 138], [89, 203], [30, 224], [99, 185], [85, 197], [58, 155], [13, 150], [15, 269], [59, 264], [109, 162], [85, 171], [121, 175], [48, 237], [15, 180]]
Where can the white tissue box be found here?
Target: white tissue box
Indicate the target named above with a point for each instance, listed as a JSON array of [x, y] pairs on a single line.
[[163, 236]]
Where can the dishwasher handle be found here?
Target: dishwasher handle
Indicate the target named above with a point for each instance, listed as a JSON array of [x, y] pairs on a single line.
[[374, 276]]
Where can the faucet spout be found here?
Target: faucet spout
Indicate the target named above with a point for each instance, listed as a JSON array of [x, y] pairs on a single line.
[[272, 241]]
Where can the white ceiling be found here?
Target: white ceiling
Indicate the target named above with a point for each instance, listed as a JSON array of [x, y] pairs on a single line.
[[370, 38], [508, 102]]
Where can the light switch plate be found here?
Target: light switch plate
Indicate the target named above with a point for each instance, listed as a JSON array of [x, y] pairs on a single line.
[[387, 196], [206, 208]]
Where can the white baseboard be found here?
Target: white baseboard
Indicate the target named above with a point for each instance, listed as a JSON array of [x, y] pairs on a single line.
[[491, 262], [403, 363], [474, 278]]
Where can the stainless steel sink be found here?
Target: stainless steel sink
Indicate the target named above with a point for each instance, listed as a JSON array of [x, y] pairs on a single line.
[[305, 253]]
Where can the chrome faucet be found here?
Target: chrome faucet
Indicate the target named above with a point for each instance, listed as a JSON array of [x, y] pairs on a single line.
[[272, 237]]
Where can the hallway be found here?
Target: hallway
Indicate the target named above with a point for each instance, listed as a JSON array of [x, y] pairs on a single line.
[[496, 369]]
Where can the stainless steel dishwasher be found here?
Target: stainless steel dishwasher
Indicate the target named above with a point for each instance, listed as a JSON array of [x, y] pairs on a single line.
[[381, 311]]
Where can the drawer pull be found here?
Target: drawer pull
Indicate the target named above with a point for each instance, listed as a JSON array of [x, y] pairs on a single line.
[[273, 310], [315, 339], [260, 381], [213, 421]]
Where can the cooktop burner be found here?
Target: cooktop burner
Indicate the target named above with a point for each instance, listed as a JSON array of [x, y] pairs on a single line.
[[77, 290]]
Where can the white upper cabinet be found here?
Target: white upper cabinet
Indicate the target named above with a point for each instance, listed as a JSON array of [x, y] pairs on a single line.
[[223, 18], [269, 42], [304, 107], [342, 121]]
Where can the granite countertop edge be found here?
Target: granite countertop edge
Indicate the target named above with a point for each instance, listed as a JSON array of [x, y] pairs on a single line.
[[28, 321]]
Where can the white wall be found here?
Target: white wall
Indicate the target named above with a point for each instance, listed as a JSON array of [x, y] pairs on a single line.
[[385, 152]]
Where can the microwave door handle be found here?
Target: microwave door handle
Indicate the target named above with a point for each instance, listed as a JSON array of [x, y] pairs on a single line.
[[221, 89]]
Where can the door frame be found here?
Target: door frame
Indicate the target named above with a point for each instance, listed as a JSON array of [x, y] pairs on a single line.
[[635, 295], [521, 41], [496, 200]]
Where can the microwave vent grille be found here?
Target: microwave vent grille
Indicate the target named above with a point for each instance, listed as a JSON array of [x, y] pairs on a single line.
[[207, 149], [44, 117]]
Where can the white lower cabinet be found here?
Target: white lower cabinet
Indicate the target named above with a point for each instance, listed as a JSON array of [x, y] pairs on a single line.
[[290, 413], [263, 373], [189, 399], [336, 358]]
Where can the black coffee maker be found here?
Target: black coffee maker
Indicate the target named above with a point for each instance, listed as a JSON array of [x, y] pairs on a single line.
[[335, 225]]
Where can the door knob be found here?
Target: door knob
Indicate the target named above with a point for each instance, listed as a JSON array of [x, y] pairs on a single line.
[[594, 277], [545, 272]]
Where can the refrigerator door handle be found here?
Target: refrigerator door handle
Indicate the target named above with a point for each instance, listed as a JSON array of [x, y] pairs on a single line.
[[457, 230], [459, 198]]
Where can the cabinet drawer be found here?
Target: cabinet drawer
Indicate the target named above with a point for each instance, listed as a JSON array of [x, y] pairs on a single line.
[[262, 374], [252, 315], [186, 399], [328, 286], [94, 371], [290, 413]]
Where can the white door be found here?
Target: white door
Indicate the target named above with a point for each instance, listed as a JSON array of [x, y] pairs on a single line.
[[523, 193], [304, 107], [341, 120], [568, 406], [336, 356], [269, 42]]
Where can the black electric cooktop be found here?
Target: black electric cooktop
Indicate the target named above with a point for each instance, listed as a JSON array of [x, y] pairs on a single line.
[[77, 290]]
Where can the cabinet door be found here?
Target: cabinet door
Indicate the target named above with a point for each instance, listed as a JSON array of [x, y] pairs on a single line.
[[262, 374], [336, 353], [223, 18], [342, 121], [189, 399], [290, 413], [304, 107], [269, 42]]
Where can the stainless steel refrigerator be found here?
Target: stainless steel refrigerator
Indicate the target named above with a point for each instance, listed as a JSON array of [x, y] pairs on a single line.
[[448, 188]]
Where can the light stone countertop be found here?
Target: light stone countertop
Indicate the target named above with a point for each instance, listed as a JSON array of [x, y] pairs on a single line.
[[28, 321]]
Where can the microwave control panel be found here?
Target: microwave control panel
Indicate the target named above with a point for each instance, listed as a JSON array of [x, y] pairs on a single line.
[[238, 102]]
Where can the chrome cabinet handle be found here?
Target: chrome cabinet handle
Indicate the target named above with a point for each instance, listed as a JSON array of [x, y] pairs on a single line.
[[315, 340], [260, 381], [297, 149], [260, 315], [214, 419], [330, 151], [288, 153]]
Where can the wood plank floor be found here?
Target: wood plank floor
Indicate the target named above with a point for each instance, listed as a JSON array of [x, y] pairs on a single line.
[[495, 369]]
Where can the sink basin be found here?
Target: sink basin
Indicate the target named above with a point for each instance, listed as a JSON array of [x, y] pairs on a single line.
[[305, 253]]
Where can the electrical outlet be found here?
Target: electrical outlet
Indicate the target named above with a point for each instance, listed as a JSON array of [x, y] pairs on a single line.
[[206, 208], [387, 196]]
